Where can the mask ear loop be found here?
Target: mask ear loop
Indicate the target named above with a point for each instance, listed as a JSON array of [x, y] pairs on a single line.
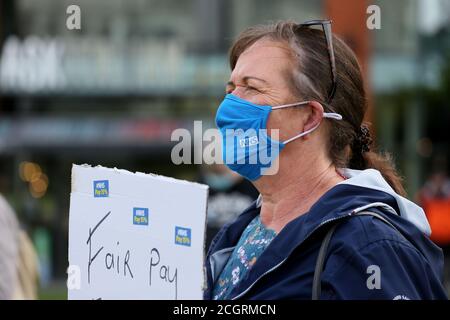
[[291, 105], [329, 115], [332, 115]]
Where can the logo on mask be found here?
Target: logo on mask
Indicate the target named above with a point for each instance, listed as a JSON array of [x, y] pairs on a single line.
[[248, 141]]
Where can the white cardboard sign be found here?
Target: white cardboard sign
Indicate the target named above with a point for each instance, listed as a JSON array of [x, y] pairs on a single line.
[[135, 236]]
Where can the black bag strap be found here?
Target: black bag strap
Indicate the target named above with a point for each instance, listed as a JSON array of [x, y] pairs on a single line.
[[316, 288]]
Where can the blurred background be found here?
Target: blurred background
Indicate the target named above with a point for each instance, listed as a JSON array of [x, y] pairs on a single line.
[[113, 92]]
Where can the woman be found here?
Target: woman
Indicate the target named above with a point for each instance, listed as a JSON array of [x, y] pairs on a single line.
[[331, 221]]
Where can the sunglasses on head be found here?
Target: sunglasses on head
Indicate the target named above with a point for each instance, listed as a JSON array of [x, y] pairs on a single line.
[[326, 27]]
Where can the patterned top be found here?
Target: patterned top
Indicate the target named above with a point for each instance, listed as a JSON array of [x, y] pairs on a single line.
[[254, 240]]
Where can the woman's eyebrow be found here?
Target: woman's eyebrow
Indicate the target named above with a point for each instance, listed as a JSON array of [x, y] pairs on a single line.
[[246, 79]]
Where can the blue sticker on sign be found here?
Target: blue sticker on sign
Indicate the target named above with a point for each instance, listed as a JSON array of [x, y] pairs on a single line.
[[183, 236], [140, 216], [101, 188]]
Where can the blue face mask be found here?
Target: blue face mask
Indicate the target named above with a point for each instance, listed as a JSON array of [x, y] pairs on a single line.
[[247, 148]]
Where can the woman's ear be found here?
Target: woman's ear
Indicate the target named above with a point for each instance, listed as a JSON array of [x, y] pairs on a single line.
[[315, 116]]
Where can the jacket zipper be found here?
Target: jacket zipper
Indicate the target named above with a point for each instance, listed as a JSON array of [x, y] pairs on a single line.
[[279, 264]]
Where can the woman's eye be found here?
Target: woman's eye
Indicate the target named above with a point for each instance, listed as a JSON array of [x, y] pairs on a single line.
[[251, 88]]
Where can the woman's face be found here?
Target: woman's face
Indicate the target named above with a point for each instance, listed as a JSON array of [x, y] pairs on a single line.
[[261, 76]]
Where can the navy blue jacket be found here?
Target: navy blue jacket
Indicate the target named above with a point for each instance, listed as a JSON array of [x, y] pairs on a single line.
[[366, 259]]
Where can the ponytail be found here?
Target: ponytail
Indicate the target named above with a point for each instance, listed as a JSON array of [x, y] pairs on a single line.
[[363, 158], [384, 163]]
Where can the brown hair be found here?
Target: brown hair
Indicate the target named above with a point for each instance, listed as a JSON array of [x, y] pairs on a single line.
[[311, 80]]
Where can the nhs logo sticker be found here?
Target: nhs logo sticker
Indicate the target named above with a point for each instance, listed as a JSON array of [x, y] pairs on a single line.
[[101, 188], [140, 216], [183, 236], [248, 141]]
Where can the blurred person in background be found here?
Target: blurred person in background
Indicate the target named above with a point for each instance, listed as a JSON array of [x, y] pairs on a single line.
[[229, 195], [18, 259], [332, 220]]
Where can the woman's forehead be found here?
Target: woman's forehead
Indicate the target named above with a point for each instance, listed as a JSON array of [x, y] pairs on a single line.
[[263, 58]]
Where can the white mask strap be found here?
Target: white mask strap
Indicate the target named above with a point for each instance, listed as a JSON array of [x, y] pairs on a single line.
[[291, 105], [330, 115]]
